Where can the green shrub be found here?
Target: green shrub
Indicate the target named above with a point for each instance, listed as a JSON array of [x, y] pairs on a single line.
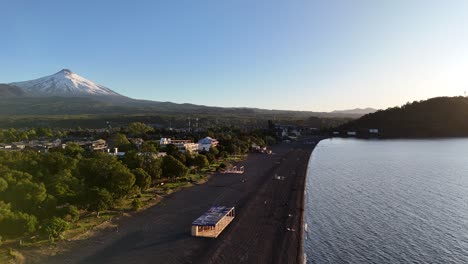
[[70, 213], [55, 227], [137, 204]]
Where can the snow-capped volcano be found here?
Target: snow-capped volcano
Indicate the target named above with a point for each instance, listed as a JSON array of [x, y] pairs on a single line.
[[64, 83]]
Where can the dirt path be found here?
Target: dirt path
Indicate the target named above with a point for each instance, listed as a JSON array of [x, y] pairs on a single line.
[[259, 234]]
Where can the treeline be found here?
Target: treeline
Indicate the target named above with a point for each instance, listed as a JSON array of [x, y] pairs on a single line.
[[436, 117], [14, 135], [42, 193]]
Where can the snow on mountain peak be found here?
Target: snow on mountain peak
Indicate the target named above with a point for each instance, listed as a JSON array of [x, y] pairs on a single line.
[[64, 71], [64, 83]]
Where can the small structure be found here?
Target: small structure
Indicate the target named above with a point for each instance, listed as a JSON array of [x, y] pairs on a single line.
[[373, 131], [213, 222], [184, 145], [351, 133], [234, 170], [205, 144], [97, 145]]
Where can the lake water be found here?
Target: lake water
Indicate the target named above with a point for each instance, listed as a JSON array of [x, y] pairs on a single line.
[[387, 201]]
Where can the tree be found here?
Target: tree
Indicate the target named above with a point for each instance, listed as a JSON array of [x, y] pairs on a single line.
[[148, 148], [23, 194], [142, 178], [214, 151], [155, 145], [138, 128], [173, 168], [171, 149], [55, 227], [44, 132], [201, 161], [14, 224], [74, 150], [105, 171], [210, 157], [3, 185], [133, 159], [223, 154], [119, 140], [99, 199], [70, 213]]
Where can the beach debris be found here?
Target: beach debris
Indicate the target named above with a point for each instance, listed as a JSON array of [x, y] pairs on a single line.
[[290, 229], [281, 178], [289, 215], [265, 202]]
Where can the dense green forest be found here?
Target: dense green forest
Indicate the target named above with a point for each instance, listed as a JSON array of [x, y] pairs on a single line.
[[436, 117], [43, 193]]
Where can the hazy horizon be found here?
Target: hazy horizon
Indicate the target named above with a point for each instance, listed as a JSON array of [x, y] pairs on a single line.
[[302, 55]]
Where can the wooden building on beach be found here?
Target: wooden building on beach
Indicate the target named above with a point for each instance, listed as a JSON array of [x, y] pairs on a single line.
[[213, 222]]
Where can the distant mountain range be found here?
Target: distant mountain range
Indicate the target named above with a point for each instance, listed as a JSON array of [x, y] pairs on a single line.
[[67, 93], [356, 111]]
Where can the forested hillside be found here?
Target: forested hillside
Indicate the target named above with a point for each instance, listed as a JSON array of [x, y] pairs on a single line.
[[435, 117]]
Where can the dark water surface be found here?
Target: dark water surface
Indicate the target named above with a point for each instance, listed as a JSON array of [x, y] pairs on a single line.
[[387, 201]]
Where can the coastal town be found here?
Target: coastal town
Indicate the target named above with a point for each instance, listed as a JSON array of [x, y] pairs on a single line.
[[154, 165]]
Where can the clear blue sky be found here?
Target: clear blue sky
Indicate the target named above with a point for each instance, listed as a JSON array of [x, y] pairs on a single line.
[[290, 54]]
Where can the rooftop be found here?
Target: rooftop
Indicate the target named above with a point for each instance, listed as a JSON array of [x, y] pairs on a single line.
[[212, 216]]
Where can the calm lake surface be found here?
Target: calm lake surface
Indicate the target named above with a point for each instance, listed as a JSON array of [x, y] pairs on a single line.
[[387, 201]]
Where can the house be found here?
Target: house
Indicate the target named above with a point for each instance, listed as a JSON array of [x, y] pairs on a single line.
[[6, 146], [184, 145], [98, 145], [205, 144]]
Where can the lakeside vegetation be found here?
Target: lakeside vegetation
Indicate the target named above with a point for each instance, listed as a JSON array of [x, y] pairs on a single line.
[[45, 197], [435, 117]]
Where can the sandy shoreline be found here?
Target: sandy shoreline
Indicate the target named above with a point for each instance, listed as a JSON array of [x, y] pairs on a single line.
[[267, 228]]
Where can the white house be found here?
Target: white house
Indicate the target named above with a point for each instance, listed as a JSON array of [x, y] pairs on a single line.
[[205, 144], [182, 144]]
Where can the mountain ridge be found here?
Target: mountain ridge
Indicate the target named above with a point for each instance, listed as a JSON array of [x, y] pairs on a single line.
[[362, 111], [66, 92]]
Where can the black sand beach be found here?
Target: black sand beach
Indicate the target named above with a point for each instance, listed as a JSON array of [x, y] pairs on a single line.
[[267, 228]]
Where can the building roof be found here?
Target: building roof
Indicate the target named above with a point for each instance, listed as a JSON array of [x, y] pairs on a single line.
[[207, 140], [212, 216]]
